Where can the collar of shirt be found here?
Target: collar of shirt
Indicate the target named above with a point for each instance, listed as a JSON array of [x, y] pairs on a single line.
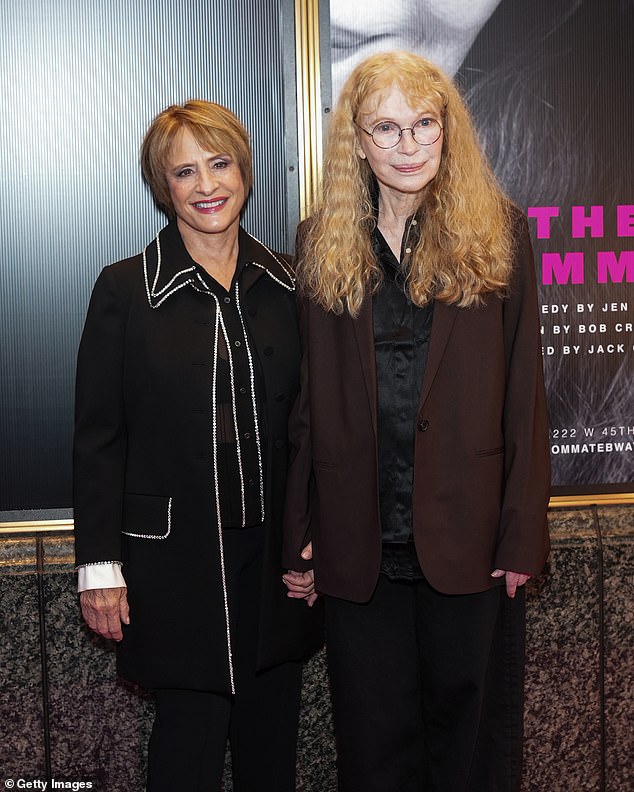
[[384, 255], [380, 247], [168, 267]]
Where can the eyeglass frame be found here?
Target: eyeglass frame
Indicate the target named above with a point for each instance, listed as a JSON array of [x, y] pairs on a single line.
[[400, 136]]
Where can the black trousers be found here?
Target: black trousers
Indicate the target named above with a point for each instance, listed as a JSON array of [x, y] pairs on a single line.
[[427, 689], [191, 728]]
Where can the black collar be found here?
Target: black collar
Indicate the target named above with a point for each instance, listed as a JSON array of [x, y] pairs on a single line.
[[168, 267]]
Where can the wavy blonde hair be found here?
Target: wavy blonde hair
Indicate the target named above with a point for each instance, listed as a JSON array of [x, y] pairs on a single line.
[[464, 248]]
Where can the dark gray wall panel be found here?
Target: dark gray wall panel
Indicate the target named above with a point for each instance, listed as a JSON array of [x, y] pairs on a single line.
[[80, 82]]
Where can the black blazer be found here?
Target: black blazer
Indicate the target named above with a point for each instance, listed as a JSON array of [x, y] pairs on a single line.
[[143, 477]]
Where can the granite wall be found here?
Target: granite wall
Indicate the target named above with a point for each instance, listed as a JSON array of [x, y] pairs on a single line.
[[63, 714]]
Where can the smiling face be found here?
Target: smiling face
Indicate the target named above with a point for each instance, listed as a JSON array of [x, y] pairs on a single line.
[[403, 171], [206, 188]]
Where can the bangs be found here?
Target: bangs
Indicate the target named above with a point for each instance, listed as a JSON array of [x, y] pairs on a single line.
[[421, 87], [214, 140]]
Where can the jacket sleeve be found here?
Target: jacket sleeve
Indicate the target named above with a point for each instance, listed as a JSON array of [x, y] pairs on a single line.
[[523, 542], [99, 448], [300, 480]]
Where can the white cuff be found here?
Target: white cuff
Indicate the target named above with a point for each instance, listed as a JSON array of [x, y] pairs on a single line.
[[105, 574]]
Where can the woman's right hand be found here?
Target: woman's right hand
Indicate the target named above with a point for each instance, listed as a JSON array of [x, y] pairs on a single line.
[[105, 609]]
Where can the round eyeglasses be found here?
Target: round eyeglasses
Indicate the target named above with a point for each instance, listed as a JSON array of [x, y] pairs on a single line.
[[386, 134]]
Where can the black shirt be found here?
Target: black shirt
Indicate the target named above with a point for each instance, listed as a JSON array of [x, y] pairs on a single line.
[[401, 335], [236, 392]]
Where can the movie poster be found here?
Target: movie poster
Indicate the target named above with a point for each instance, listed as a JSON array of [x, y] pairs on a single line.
[[550, 86]]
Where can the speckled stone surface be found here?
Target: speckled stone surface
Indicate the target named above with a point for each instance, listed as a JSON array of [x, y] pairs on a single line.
[[17, 555], [562, 743], [316, 769], [99, 726], [84, 691], [617, 529], [21, 709]]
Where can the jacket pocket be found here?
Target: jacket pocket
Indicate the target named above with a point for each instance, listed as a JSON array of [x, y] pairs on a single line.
[[319, 464], [484, 452], [147, 516]]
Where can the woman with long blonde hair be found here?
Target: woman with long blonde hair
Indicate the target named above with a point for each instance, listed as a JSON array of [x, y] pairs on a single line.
[[419, 476], [467, 218]]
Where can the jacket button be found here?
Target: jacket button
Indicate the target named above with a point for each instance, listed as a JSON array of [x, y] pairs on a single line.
[[423, 425], [268, 351]]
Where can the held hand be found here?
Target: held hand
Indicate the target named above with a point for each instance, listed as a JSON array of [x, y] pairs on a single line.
[[513, 580], [104, 610], [301, 585]]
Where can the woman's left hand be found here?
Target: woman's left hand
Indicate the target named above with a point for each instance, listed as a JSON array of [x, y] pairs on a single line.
[[301, 585], [513, 580]]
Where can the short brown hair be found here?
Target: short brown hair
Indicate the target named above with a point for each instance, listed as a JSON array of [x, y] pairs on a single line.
[[213, 126]]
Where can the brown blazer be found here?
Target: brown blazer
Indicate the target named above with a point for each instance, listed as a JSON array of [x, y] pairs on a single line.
[[481, 470]]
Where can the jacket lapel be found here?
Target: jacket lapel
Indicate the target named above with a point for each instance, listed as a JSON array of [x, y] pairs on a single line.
[[167, 266], [442, 325], [364, 335], [263, 261]]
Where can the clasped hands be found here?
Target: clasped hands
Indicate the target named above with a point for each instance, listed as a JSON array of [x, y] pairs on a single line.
[[301, 585]]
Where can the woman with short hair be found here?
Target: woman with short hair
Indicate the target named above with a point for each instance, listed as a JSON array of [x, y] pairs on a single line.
[[187, 367]]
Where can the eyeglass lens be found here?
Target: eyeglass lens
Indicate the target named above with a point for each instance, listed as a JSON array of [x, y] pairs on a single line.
[[425, 132]]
